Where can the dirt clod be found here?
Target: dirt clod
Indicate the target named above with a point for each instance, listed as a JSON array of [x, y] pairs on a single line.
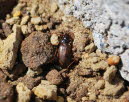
[[54, 77], [36, 50]]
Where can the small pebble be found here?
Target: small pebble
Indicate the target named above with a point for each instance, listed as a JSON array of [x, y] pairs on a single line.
[[36, 20], [85, 55], [45, 27], [84, 99], [39, 28], [24, 29], [46, 91], [54, 7], [17, 14], [113, 60], [30, 27], [24, 94], [54, 39], [25, 20], [8, 16], [12, 21], [92, 97], [33, 73], [90, 48], [110, 74], [34, 8]]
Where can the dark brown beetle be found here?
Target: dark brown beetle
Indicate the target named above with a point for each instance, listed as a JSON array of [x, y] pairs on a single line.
[[65, 51]]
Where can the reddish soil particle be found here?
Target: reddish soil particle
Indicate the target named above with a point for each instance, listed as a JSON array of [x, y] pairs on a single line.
[[54, 77]]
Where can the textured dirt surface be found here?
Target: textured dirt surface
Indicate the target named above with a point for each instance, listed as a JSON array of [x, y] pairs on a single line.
[[37, 75]]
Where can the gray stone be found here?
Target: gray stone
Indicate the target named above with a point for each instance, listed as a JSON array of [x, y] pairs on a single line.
[[125, 68]]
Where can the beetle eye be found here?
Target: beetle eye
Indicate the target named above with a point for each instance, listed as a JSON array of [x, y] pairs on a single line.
[[62, 41], [65, 39]]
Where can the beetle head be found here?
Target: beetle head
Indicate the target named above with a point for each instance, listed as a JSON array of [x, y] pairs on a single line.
[[65, 39]]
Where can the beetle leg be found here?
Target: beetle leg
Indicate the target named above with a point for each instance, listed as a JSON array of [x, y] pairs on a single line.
[[71, 64], [61, 63]]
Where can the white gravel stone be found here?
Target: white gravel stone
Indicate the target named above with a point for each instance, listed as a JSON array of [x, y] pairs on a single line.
[[24, 94], [39, 28], [125, 68], [33, 73], [54, 7], [54, 39], [36, 20], [12, 21]]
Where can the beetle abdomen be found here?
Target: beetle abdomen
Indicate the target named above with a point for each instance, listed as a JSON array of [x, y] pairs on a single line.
[[64, 54]]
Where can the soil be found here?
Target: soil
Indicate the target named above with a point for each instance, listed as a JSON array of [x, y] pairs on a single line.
[[89, 77]]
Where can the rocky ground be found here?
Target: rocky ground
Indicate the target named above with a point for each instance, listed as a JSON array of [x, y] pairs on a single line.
[[30, 71]]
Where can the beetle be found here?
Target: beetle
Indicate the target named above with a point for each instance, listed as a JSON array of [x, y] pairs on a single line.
[[65, 51]]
